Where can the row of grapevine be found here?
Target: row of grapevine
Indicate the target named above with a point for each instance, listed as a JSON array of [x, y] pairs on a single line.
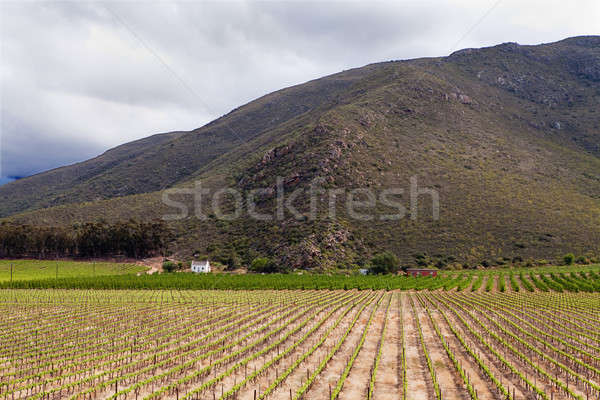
[[466, 342]]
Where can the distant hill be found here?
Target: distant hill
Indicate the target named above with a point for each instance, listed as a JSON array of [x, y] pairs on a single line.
[[509, 136]]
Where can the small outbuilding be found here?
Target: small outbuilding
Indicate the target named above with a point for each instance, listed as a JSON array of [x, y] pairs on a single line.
[[201, 267], [421, 272]]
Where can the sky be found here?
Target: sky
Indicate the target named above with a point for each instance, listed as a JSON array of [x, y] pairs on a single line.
[[77, 78]]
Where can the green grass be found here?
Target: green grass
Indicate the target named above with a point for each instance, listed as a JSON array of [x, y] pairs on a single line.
[[28, 270]]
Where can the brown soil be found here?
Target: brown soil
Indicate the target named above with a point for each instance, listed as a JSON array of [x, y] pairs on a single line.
[[512, 382], [544, 364], [387, 382], [480, 382], [334, 369], [298, 376], [357, 383], [154, 264], [417, 375], [449, 381]]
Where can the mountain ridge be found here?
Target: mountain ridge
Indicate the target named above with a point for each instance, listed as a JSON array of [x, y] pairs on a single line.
[[508, 135]]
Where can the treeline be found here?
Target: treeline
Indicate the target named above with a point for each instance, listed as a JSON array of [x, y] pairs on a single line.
[[90, 240]]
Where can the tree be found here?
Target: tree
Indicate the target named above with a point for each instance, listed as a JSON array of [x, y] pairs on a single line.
[[93, 239], [422, 259], [262, 265], [384, 263], [169, 266], [233, 261], [569, 259]]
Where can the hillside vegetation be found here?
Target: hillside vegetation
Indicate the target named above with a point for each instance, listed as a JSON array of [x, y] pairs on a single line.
[[509, 136]]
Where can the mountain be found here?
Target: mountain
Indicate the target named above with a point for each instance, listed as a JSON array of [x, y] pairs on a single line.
[[507, 136]]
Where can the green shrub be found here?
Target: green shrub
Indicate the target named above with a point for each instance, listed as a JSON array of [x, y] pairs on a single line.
[[569, 259], [582, 260], [384, 263], [263, 265], [453, 267], [169, 266], [530, 263], [421, 260]]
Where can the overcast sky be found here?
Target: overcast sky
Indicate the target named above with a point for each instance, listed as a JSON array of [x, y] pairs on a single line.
[[79, 78]]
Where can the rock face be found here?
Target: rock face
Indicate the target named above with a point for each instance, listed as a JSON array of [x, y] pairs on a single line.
[[274, 153], [463, 98]]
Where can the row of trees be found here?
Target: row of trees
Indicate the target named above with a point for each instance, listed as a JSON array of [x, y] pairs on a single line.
[[382, 263], [386, 263], [99, 239], [570, 259]]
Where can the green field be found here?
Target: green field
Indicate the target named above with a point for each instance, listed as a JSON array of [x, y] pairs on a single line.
[[556, 279], [26, 270]]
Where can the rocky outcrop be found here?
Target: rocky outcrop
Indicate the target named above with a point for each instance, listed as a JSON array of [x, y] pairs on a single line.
[[275, 153]]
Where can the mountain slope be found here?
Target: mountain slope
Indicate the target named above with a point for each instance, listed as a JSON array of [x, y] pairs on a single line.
[[509, 136], [161, 161]]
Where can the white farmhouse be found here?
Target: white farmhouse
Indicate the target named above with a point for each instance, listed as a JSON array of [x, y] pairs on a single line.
[[201, 266]]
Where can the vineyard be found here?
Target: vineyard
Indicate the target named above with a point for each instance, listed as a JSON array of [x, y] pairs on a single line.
[[585, 278], [454, 341]]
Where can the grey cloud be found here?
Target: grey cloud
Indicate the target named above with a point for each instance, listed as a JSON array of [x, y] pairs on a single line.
[[75, 78], [29, 152]]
